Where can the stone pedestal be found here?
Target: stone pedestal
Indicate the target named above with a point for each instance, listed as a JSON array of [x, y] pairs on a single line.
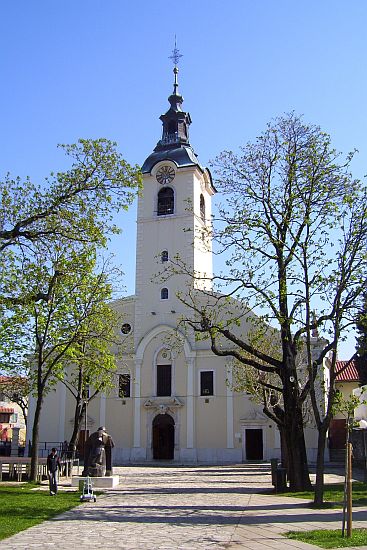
[[14, 442], [97, 482]]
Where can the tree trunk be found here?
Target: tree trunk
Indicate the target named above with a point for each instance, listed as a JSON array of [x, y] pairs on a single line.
[[78, 415], [298, 474], [319, 488], [283, 448], [297, 468], [35, 438]]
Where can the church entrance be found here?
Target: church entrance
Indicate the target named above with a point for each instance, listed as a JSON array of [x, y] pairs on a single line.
[[163, 437], [254, 444]]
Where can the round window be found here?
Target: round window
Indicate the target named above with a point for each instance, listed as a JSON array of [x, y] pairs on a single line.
[[126, 328]]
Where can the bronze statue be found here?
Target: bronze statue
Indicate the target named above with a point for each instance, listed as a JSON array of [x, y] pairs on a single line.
[[98, 454]]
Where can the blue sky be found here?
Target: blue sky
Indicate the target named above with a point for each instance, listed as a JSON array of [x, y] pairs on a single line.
[[100, 68]]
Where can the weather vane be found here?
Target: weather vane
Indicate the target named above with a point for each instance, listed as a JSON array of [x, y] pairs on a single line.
[[175, 54]]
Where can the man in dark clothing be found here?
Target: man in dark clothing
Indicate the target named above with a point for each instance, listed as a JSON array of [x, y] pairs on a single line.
[[53, 465]]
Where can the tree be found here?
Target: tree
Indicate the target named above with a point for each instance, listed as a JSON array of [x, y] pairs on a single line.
[[361, 348], [77, 206], [294, 231], [16, 389], [49, 236], [90, 362], [47, 332]]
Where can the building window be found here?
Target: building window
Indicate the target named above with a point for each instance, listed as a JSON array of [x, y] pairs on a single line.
[[124, 385], [202, 207], [164, 380], [207, 382], [14, 418], [164, 256], [5, 418], [164, 294], [166, 201]]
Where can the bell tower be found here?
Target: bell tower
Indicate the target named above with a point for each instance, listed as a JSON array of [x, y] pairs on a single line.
[[174, 219]]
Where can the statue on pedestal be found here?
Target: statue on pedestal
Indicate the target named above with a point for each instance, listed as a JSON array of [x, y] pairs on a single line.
[[98, 454]]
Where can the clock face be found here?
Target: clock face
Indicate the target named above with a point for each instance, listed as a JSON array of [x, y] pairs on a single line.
[[165, 175]]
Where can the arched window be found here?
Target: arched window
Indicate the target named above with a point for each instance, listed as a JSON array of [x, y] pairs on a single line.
[[166, 201], [164, 372], [164, 294], [202, 207], [172, 127], [164, 256]]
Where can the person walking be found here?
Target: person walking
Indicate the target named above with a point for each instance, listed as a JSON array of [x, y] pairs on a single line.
[[53, 465]]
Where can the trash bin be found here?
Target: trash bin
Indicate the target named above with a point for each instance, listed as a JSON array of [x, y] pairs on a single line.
[[281, 480], [274, 465]]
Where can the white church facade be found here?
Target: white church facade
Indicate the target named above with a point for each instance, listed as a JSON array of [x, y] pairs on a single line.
[[173, 398]]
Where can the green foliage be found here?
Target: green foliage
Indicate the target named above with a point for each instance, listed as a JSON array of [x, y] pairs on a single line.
[[53, 299], [345, 406], [16, 389], [76, 205], [362, 328], [361, 341], [24, 506], [48, 241]]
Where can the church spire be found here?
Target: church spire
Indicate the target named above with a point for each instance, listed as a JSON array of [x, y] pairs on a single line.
[[175, 121], [174, 144]]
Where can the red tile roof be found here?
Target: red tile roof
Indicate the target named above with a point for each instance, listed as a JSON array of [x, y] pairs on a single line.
[[6, 410], [349, 374]]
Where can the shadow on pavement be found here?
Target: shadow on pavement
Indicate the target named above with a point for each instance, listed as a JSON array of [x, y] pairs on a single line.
[[220, 515]]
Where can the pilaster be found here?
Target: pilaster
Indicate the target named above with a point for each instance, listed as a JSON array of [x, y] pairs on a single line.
[[190, 402]]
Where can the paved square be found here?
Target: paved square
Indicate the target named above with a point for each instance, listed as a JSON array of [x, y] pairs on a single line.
[[183, 508]]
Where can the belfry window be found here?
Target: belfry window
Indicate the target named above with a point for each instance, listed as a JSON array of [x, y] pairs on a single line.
[[202, 208], [164, 256], [164, 294], [166, 201]]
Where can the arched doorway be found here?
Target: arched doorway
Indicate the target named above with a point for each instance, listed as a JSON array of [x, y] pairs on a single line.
[[163, 437]]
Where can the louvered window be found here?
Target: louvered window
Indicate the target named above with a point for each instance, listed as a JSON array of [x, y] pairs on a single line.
[[166, 201]]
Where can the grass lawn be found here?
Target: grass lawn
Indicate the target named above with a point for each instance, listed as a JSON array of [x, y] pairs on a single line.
[[21, 507], [333, 494], [330, 538], [333, 497]]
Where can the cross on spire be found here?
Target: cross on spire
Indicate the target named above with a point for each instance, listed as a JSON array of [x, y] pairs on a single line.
[[175, 54]]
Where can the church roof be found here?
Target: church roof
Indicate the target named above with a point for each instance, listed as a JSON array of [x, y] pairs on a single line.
[[181, 156]]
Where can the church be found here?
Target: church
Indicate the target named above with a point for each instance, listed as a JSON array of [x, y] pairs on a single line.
[[173, 399]]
